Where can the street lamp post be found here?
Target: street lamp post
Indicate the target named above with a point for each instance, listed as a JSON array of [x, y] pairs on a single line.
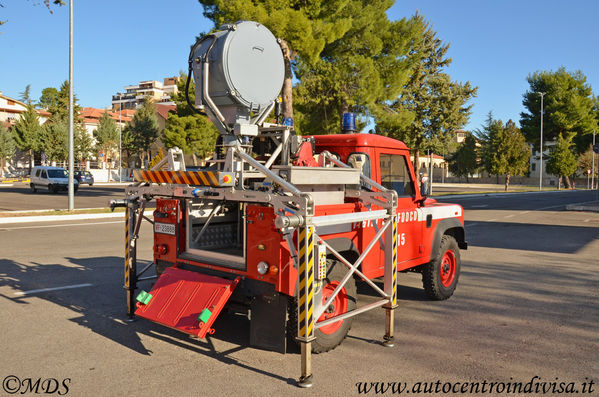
[[120, 136], [542, 94], [71, 187]]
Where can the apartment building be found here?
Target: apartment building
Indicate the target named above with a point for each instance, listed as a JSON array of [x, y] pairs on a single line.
[[135, 95]]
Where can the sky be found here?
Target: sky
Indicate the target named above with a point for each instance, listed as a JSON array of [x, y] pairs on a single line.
[[493, 44]]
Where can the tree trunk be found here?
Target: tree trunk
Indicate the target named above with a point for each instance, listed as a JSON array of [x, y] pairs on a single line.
[[507, 182], [417, 162], [288, 81], [195, 159], [467, 181], [567, 183], [30, 160], [1, 168]]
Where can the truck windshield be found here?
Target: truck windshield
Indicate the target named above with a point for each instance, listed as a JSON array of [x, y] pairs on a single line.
[[395, 174], [57, 174]]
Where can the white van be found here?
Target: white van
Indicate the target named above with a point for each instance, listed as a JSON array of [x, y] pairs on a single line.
[[52, 178]]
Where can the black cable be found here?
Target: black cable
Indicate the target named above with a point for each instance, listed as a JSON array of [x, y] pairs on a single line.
[[190, 69]]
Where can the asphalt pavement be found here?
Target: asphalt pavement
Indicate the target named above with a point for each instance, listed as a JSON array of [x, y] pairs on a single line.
[[527, 305]]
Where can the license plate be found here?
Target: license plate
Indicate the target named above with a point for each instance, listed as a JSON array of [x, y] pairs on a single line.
[[165, 228]]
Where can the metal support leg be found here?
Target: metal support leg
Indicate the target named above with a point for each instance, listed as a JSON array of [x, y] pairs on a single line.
[[390, 282], [130, 258], [305, 307]]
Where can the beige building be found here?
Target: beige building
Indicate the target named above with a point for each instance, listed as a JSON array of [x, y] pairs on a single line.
[[134, 95]]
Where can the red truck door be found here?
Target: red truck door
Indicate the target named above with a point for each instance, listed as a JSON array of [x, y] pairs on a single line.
[[394, 173]]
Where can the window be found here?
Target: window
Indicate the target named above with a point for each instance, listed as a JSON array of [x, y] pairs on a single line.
[[37, 173], [44, 174], [395, 174], [360, 161]]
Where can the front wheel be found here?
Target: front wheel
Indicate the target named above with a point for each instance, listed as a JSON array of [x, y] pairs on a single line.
[[33, 188], [440, 276]]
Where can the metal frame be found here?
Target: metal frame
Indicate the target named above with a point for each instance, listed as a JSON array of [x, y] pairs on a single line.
[[296, 214]]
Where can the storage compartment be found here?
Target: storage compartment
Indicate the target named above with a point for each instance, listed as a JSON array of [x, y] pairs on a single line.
[[216, 233]]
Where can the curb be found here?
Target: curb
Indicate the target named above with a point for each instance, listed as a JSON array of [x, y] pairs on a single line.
[[50, 218], [503, 194], [586, 208]]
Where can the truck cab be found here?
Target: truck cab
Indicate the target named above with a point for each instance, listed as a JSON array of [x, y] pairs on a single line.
[[422, 222]]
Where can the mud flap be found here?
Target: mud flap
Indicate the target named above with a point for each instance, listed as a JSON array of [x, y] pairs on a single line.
[[186, 301], [268, 325]]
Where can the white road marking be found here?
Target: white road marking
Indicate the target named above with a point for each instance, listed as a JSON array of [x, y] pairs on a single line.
[[63, 225], [480, 206], [35, 291], [586, 220], [563, 205], [509, 216], [472, 224]]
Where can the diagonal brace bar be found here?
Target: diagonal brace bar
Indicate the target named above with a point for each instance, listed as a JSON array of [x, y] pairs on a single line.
[[353, 269]]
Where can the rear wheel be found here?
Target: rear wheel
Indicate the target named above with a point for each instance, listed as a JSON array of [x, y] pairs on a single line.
[[440, 276], [330, 336]]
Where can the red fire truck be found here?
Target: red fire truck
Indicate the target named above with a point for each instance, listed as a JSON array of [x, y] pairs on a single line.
[[279, 225]]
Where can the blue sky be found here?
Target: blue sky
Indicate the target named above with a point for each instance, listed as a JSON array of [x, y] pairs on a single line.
[[493, 44]]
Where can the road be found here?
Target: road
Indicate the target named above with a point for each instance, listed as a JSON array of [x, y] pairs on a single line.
[[18, 197], [527, 304]]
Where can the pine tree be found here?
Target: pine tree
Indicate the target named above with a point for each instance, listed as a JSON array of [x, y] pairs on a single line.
[[83, 144], [361, 72], [438, 105], [143, 129], [55, 139], [7, 146], [106, 135], [49, 99], [562, 161], [27, 132], [464, 161], [568, 108], [506, 151], [191, 132]]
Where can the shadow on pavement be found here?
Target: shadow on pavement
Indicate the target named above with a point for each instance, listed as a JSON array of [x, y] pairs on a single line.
[[101, 308], [517, 236]]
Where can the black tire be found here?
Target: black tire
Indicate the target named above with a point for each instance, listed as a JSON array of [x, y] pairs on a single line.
[[91, 184], [326, 341], [440, 277], [33, 188], [52, 189]]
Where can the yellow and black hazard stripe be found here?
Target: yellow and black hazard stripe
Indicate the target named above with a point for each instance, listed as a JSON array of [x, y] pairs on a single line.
[[199, 178], [394, 264], [127, 247], [306, 282]]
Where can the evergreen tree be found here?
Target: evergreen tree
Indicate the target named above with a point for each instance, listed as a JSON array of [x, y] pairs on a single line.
[[585, 161], [464, 161], [191, 132], [83, 144], [568, 106], [106, 135], [7, 146], [562, 161], [143, 129], [437, 104], [27, 132], [25, 96], [49, 99], [361, 72], [506, 151], [194, 134], [55, 139]]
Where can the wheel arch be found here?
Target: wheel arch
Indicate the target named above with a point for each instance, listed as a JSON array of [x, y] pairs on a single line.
[[452, 227]]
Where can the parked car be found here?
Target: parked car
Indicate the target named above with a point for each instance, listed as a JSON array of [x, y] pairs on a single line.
[[84, 177], [52, 178]]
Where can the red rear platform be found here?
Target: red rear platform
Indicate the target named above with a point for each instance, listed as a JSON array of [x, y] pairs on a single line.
[[180, 296]]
